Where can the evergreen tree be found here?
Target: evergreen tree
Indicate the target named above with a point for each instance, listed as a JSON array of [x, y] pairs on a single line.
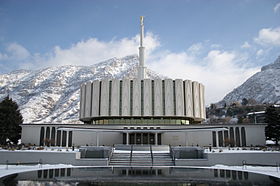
[[272, 130], [10, 118]]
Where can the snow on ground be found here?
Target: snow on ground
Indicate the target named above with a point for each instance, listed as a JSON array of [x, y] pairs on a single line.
[[12, 169], [46, 149], [271, 171], [238, 150]]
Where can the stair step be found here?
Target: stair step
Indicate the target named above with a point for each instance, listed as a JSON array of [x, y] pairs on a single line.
[[141, 159]]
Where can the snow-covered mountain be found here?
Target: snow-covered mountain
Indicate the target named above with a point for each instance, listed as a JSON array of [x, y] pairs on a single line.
[[264, 86], [51, 95]]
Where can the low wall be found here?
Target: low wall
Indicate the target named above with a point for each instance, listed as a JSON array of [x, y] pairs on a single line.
[[233, 159], [72, 158]]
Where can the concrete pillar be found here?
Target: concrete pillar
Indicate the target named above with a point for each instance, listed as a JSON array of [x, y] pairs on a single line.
[[45, 135], [217, 139], [97, 139], [67, 138], [55, 135], [127, 138], [61, 133], [156, 138]]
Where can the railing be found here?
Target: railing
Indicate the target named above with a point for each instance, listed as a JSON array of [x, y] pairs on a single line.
[[152, 156], [40, 163], [131, 150], [244, 163], [172, 155], [111, 155]]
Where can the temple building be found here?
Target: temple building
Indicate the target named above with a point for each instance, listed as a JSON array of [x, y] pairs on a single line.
[[143, 111]]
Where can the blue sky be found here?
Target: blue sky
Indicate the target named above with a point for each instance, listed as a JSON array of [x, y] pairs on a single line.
[[211, 41]]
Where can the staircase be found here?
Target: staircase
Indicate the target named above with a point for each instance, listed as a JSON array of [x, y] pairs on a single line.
[[140, 158], [162, 159]]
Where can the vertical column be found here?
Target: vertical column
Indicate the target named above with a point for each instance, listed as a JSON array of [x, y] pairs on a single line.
[[156, 138], [158, 97], [136, 97], [45, 136], [55, 137], [202, 101], [125, 97], [115, 97], [104, 107], [67, 138], [196, 103], [147, 99], [82, 100], [127, 138], [97, 139], [179, 97], [188, 98], [169, 102], [88, 100], [217, 138], [95, 98]]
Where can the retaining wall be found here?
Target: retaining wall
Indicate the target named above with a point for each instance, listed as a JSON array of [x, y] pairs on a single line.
[[233, 159], [72, 158]]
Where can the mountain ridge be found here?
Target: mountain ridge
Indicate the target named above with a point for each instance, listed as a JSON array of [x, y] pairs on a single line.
[[263, 87], [51, 95]]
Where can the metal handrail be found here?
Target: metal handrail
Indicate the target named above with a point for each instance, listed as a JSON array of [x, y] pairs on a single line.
[[152, 155], [131, 150], [172, 154], [111, 154], [40, 163]]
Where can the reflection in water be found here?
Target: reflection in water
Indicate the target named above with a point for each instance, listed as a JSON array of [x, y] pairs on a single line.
[[131, 176]]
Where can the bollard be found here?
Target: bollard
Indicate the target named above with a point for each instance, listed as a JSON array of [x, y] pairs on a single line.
[[244, 164], [40, 163]]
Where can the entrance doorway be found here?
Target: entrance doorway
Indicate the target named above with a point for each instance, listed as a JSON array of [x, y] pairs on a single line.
[[140, 138]]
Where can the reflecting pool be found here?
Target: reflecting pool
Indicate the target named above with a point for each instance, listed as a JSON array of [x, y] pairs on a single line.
[[138, 176]]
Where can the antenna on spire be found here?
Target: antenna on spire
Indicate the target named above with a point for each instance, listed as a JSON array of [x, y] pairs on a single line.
[[141, 67]]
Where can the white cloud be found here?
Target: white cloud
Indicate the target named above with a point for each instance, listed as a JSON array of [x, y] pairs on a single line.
[[195, 48], [93, 51], [259, 53], [269, 36], [15, 51], [246, 45], [276, 7], [220, 71]]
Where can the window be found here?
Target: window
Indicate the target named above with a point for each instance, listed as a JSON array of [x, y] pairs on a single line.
[[214, 142], [243, 136], [42, 133], [237, 135], [70, 139], [64, 134], [58, 138], [53, 136], [220, 136], [48, 133], [231, 134]]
